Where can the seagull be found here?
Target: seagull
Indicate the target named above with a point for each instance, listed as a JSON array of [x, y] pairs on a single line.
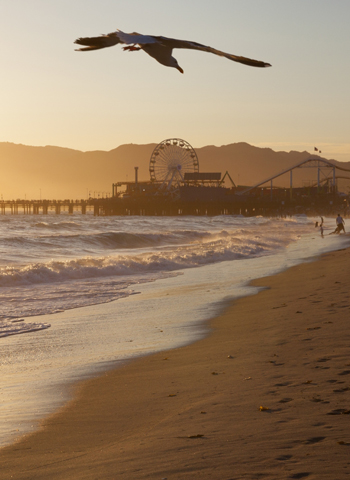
[[160, 48]]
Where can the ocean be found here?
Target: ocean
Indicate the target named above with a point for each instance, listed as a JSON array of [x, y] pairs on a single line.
[[79, 294]]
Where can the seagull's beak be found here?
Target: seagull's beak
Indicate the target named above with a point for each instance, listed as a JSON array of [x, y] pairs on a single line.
[[180, 69]]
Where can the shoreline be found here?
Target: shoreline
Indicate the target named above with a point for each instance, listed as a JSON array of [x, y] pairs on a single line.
[[193, 411]]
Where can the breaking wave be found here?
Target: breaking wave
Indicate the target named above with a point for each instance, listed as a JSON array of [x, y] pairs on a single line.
[[199, 249]]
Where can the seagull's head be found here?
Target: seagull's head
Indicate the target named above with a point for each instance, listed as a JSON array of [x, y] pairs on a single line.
[[173, 63]]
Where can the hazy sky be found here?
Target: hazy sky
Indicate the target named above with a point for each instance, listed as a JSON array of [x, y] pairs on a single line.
[[53, 95]]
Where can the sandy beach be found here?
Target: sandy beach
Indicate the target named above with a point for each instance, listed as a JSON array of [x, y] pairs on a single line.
[[265, 395]]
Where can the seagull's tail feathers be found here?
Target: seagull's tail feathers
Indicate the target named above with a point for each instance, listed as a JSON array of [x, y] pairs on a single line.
[[96, 43]]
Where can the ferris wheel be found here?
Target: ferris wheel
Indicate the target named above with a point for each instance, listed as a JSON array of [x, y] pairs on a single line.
[[170, 160]]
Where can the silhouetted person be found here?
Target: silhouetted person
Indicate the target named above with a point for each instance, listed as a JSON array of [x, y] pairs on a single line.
[[340, 224]]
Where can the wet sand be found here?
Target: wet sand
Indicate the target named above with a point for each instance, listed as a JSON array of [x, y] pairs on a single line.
[[265, 395]]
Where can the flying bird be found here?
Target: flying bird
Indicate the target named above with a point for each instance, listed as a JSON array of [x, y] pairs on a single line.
[[160, 48]]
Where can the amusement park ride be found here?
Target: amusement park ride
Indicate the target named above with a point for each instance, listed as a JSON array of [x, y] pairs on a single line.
[[326, 174], [176, 187], [173, 163], [170, 161]]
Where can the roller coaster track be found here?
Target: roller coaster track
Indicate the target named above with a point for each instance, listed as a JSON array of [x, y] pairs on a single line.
[[312, 162]]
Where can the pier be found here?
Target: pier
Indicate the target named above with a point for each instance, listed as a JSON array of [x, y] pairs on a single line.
[[36, 207], [195, 201], [136, 205], [195, 193]]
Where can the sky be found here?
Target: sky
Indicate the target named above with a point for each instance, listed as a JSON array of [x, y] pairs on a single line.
[[52, 95]]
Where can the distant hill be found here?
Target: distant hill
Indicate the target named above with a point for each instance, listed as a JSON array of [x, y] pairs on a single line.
[[55, 172]]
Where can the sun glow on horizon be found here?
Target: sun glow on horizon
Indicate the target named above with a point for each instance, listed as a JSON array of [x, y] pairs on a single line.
[[87, 101]]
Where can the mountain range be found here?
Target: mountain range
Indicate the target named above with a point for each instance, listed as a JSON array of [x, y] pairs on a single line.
[[54, 172]]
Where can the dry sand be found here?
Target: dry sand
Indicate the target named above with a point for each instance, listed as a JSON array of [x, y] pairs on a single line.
[[195, 412]]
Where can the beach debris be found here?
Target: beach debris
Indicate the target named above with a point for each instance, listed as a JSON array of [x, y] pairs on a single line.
[[229, 356], [298, 311], [307, 382], [313, 328], [214, 373], [166, 358], [203, 413], [263, 409], [172, 395], [248, 378], [199, 435], [343, 443]]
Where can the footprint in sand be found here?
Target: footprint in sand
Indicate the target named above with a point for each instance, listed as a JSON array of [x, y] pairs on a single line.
[[284, 457], [312, 440], [341, 390], [339, 411], [285, 400], [300, 475], [345, 372], [275, 363]]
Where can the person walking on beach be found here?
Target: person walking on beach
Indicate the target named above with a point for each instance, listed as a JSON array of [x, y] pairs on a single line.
[[321, 227], [340, 224]]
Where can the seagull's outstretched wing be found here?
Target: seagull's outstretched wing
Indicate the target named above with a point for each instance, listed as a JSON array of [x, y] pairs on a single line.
[[160, 48], [95, 43], [174, 43]]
